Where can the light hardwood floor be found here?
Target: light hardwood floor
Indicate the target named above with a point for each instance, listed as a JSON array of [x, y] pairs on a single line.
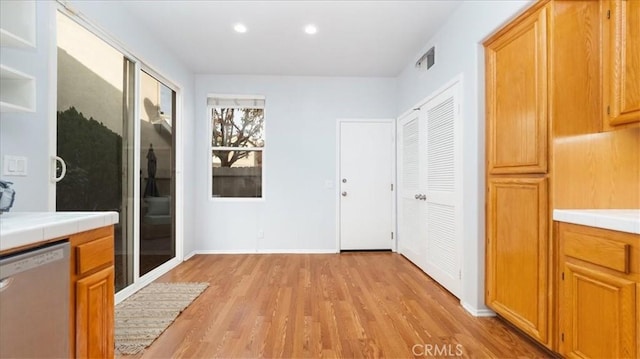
[[326, 305]]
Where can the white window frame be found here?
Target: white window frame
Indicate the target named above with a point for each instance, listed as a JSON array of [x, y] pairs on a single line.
[[211, 148]]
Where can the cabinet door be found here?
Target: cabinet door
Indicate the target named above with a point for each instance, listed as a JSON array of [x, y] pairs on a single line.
[[517, 253], [598, 314], [622, 68], [516, 90], [94, 315]]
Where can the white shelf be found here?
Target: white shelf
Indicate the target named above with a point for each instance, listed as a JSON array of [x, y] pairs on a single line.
[[17, 91], [18, 30], [18, 23]]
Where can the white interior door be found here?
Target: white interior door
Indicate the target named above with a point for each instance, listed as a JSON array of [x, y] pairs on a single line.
[[411, 227], [440, 117], [366, 172], [429, 184]]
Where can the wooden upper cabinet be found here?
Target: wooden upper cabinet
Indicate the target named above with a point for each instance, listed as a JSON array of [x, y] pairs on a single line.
[[517, 253], [622, 62], [575, 84], [516, 90]]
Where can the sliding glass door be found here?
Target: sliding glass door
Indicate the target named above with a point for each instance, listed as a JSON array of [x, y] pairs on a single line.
[[108, 113], [95, 133], [157, 175]]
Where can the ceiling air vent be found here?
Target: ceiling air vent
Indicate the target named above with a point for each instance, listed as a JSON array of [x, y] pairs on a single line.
[[428, 59]]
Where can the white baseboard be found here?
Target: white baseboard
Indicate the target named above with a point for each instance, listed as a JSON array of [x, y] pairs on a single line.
[[476, 312], [261, 251], [296, 251], [217, 251], [188, 256]]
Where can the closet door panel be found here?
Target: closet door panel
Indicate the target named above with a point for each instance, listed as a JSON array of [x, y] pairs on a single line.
[[411, 243], [440, 117]]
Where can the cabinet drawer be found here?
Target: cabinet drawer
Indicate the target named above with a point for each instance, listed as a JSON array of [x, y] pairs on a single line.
[[601, 251], [94, 254]]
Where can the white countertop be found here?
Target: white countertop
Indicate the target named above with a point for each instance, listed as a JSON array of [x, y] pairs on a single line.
[[19, 229], [623, 220]]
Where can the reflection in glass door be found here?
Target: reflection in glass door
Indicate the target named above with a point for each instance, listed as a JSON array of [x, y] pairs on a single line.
[[95, 133], [157, 175]]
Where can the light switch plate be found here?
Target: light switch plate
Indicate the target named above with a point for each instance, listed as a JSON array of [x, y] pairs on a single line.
[[14, 166]]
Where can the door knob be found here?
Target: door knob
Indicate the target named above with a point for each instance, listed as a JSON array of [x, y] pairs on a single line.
[[416, 196], [344, 194], [423, 197]]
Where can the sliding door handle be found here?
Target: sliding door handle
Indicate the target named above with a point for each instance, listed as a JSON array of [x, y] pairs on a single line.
[[54, 172]]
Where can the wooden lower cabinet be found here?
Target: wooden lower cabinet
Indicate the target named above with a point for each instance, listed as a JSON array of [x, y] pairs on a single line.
[[517, 283], [94, 315], [92, 294], [598, 306]]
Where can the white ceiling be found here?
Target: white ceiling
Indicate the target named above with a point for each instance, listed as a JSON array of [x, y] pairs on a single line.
[[355, 38]]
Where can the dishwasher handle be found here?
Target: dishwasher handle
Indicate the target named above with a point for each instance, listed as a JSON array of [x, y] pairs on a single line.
[[5, 283]]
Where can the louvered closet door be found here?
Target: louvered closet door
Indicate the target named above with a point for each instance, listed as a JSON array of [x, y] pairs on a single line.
[[439, 120], [411, 234]]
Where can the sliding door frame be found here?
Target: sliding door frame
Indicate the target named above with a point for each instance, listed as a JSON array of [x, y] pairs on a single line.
[[176, 172], [139, 65]]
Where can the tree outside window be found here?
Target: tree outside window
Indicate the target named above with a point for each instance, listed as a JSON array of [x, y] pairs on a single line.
[[237, 145]]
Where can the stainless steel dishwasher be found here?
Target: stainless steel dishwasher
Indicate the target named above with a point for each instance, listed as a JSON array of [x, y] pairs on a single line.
[[34, 303]]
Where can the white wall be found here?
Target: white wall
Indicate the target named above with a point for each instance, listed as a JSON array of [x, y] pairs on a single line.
[[459, 51], [298, 213], [27, 134]]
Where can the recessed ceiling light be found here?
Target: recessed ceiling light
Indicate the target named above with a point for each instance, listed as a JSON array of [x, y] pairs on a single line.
[[310, 29], [240, 28]]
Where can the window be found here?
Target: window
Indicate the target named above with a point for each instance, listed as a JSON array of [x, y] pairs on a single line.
[[237, 146]]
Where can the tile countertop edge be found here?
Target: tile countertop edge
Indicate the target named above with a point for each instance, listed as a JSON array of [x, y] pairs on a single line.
[[20, 229], [623, 220]]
